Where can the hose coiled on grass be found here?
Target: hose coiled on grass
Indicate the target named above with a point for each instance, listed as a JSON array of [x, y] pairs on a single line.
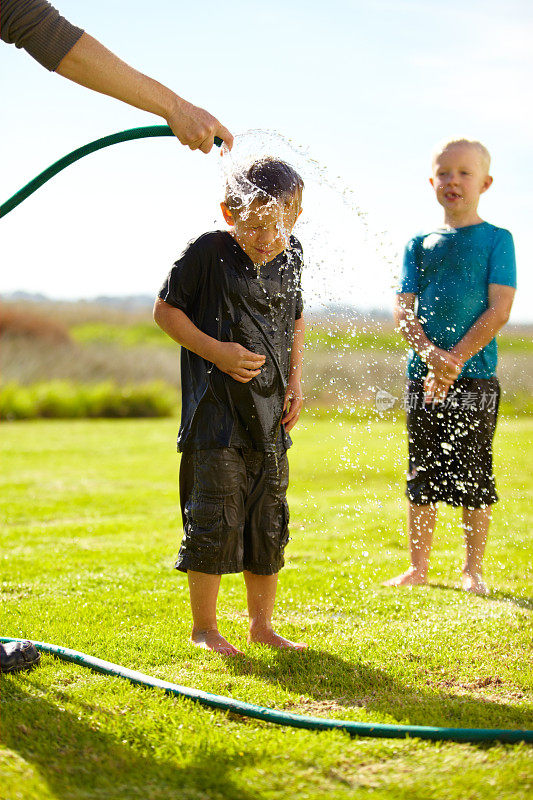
[[280, 717]]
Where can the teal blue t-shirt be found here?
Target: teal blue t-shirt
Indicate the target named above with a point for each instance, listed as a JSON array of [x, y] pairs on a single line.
[[449, 270]]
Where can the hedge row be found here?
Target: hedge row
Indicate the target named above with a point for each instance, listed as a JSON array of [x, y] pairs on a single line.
[[68, 400]]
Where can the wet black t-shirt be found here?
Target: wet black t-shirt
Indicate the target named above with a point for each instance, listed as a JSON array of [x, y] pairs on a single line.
[[219, 288]]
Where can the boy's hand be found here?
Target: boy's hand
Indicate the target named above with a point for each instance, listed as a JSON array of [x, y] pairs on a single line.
[[236, 361], [443, 370], [443, 365], [292, 405], [435, 391]]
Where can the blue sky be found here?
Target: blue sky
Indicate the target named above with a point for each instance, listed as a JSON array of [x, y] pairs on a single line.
[[366, 87]]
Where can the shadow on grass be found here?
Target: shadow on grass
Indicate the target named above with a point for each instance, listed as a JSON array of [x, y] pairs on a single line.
[[77, 760], [521, 602], [494, 594], [327, 681]]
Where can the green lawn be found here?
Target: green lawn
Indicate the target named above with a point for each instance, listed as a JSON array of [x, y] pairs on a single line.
[[88, 545]]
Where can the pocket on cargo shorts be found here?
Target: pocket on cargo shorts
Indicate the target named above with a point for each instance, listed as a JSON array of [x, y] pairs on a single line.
[[203, 511], [204, 516]]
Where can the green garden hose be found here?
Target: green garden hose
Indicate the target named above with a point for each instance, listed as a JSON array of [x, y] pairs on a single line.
[[91, 147], [281, 717]]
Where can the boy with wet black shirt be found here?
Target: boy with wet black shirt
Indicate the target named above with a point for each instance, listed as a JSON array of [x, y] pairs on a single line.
[[233, 301]]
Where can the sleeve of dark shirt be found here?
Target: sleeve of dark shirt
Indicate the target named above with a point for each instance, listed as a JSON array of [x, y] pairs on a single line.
[[181, 287], [299, 305], [39, 28], [297, 247]]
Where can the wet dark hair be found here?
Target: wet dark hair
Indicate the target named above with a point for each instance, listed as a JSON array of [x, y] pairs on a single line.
[[265, 180]]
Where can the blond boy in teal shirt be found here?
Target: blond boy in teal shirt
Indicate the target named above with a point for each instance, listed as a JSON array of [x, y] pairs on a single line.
[[456, 293]]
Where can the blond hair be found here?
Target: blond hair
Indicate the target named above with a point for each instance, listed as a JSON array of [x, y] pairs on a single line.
[[445, 145]]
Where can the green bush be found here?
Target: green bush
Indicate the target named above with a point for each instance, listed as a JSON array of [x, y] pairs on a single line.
[[16, 402], [69, 400], [58, 400]]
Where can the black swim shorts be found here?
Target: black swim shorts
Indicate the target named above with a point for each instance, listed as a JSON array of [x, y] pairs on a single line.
[[450, 444], [234, 509]]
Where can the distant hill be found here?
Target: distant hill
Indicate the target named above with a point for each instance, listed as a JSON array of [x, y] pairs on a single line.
[[144, 302], [24, 297], [133, 302]]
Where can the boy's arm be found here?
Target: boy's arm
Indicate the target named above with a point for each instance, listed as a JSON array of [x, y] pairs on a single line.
[[443, 364], [488, 324], [230, 357], [480, 334], [293, 395]]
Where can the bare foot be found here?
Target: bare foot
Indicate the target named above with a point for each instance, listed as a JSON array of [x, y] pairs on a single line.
[[412, 577], [272, 639], [474, 583], [212, 640]]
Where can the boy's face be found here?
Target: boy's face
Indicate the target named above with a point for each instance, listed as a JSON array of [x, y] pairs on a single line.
[[263, 230], [459, 178]]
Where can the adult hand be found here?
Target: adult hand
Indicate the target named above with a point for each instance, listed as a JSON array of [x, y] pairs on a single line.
[[195, 127], [292, 405], [239, 363], [91, 64]]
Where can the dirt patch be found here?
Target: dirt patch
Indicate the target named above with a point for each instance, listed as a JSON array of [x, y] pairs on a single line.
[[312, 708], [480, 688]]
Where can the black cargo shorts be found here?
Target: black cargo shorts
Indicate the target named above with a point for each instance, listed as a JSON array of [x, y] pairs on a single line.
[[450, 444], [234, 510]]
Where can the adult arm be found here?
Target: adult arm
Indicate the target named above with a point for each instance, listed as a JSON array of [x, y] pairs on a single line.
[[91, 64], [60, 46], [293, 395], [229, 357]]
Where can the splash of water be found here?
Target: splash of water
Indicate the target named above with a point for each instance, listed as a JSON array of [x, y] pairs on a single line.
[[344, 258], [257, 143], [349, 266]]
